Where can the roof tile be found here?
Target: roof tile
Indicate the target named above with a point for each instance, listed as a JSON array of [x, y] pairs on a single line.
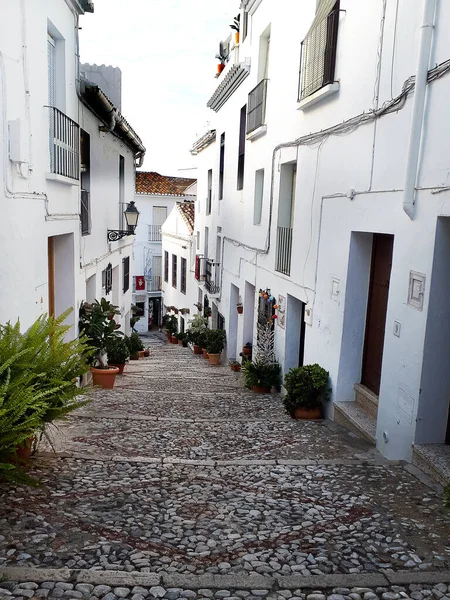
[[154, 183], [187, 211]]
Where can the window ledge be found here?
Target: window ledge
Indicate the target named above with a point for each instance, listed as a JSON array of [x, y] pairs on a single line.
[[257, 133], [62, 179], [318, 96]]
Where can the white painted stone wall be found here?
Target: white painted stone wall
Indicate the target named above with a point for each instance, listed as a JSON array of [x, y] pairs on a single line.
[[370, 160]]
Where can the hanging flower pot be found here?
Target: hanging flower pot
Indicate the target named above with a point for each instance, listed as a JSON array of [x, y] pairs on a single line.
[[236, 37], [220, 67], [240, 309]]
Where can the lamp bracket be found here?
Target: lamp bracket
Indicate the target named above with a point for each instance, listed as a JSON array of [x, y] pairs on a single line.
[[117, 234]]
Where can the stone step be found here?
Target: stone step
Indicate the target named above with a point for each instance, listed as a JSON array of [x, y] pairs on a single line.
[[366, 399], [434, 460], [355, 418]]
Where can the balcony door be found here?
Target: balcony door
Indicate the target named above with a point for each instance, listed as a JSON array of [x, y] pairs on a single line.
[[286, 205]]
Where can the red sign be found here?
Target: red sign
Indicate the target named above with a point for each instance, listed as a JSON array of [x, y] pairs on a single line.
[[140, 284]]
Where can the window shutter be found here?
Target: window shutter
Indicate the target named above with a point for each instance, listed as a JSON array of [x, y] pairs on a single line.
[[159, 215], [51, 70]]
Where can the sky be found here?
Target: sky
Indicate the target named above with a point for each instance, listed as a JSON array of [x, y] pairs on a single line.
[[166, 51]]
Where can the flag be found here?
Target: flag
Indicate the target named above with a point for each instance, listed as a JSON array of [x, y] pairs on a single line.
[[140, 283]]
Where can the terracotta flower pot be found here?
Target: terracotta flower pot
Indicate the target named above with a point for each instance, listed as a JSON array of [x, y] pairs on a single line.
[[240, 309], [259, 389], [168, 335], [205, 353], [236, 37], [214, 359], [220, 68], [308, 414], [174, 340], [180, 342], [236, 367], [246, 350], [120, 367], [105, 378], [141, 353], [197, 349], [23, 451]]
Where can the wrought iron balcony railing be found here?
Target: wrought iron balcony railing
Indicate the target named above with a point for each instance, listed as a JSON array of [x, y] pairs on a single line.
[[283, 250], [256, 106], [154, 283], [154, 233], [64, 144], [212, 277]]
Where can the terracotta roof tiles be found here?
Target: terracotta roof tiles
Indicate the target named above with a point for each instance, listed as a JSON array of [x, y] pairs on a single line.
[[154, 183], [187, 211]]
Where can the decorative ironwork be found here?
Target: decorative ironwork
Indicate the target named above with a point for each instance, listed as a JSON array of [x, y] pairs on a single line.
[[107, 279], [256, 114], [117, 234], [284, 250], [210, 283], [64, 144]]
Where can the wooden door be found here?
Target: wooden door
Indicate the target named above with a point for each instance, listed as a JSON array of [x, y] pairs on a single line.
[[376, 310], [51, 277]]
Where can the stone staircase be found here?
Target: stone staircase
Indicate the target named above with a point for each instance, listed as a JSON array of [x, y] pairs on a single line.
[[434, 460], [359, 415]]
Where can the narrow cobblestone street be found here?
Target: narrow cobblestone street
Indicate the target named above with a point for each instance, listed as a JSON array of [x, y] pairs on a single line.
[[180, 483]]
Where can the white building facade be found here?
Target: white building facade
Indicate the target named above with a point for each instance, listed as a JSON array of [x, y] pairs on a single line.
[[156, 196], [327, 185], [178, 245], [54, 253]]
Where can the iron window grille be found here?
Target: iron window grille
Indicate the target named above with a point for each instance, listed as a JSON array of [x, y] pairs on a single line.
[[183, 276], [85, 213], [241, 154], [166, 266], [64, 145], [126, 273], [284, 250], [209, 198], [221, 165], [107, 279], [210, 281], [318, 54], [174, 270], [256, 115]]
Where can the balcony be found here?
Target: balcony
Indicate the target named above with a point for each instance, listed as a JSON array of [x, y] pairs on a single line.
[[283, 250], [256, 115], [154, 284], [154, 233], [212, 273], [64, 145]]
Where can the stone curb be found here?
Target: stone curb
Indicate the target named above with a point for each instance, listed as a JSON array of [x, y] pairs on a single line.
[[209, 581]]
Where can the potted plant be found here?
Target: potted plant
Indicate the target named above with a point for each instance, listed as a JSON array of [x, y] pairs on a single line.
[[198, 324], [235, 365], [261, 377], [198, 305], [203, 341], [135, 345], [240, 306], [147, 352], [307, 387], [97, 327], [180, 337], [236, 27], [247, 349], [171, 328], [118, 353], [207, 312], [215, 343], [221, 63]]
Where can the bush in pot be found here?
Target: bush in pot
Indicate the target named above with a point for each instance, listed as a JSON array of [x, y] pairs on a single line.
[[171, 327], [117, 351], [261, 376], [197, 327], [135, 345], [307, 387], [215, 343]]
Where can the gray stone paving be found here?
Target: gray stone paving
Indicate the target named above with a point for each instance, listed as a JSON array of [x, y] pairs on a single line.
[[180, 483]]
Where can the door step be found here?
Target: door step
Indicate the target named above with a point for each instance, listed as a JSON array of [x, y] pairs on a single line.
[[366, 399], [356, 418], [434, 460]]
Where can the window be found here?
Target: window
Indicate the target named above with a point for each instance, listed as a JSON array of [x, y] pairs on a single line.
[[244, 25], [126, 274], [107, 279], [166, 266], [221, 164], [174, 270], [258, 199], [209, 198], [183, 276], [158, 218], [318, 55], [122, 207], [85, 159], [241, 153], [51, 61]]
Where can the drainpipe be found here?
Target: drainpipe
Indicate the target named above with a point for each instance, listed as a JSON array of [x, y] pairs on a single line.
[[415, 135]]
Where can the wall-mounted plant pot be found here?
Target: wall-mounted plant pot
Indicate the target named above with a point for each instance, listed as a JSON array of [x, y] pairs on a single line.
[[205, 353], [220, 68], [214, 359], [120, 367], [174, 340], [259, 389], [307, 414], [105, 378], [236, 37], [198, 349], [240, 309]]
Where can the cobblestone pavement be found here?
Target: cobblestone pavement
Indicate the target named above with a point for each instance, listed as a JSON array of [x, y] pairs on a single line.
[[180, 483]]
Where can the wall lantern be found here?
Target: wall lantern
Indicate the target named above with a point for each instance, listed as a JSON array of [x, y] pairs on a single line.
[[131, 216]]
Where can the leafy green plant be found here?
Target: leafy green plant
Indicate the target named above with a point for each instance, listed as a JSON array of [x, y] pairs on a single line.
[[134, 343], [306, 387], [215, 341], [236, 23], [172, 324], [198, 326], [117, 350], [262, 374], [98, 326]]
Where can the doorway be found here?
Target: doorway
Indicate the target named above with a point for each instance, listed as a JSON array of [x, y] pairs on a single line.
[[61, 278], [233, 323], [295, 333], [154, 313], [380, 275]]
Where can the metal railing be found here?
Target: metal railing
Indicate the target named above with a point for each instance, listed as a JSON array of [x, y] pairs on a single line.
[[210, 280], [64, 144], [283, 250], [154, 283], [154, 233], [85, 213], [256, 107], [318, 56]]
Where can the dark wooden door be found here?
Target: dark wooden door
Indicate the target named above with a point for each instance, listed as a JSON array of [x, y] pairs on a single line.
[[447, 437], [301, 350], [376, 310]]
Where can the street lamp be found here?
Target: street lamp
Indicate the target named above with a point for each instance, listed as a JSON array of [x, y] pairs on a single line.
[[131, 216]]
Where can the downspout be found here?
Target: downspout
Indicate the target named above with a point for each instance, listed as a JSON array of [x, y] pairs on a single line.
[[426, 37]]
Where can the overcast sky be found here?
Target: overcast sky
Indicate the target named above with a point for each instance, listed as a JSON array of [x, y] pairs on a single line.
[[165, 50]]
